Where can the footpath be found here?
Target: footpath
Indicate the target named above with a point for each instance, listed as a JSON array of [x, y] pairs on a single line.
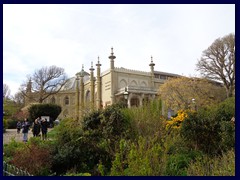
[[12, 133]]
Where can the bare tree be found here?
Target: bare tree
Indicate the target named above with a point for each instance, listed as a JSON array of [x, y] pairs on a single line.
[[218, 62], [43, 83], [19, 98], [6, 91]]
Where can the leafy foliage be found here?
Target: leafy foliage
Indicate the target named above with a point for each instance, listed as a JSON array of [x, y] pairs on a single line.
[[218, 166], [35, 159], [132, 142], [85, 147], [5, 124], [38, 110], [176, 122], [34, 156], [210, 129], [177, 93]]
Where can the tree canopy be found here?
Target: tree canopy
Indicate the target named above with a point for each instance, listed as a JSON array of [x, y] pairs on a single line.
[[218, 62], [184, 93], [6, 91]]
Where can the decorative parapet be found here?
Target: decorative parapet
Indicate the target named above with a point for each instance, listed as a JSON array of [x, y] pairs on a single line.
[[124, 70]]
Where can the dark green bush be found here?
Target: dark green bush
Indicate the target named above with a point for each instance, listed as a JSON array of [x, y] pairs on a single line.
[[211, 130], [38, 110], [83, 147], [5, 124], [12, 124]]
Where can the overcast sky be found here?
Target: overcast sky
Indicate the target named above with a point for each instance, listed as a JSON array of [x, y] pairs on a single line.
[[68, 36]]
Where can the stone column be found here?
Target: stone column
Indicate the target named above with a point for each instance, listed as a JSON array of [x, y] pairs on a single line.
[[152, 71], [112, 57], [141, 99], [99, 92], [77, 98], [91, 86], [129, 100], [81, 91]]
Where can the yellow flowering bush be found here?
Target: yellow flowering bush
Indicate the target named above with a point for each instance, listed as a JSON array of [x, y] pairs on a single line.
[[175, 122]]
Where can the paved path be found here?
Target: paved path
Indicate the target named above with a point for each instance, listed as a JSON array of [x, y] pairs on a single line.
[[12, 133]]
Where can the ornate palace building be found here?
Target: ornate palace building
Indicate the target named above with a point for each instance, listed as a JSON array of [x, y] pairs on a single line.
[[86, 91]]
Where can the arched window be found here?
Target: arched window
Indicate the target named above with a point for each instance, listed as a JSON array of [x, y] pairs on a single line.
[[123, 83], [133, 83], [87, 97], [66, 100], [53, 100], [143, 84]]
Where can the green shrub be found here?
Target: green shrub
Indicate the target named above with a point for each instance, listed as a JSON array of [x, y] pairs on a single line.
[[5, 125], [34, 156], [144, 158], [10, 149], [38, 110], [210, 130], [12, 123], [146, 120], [213, 166]]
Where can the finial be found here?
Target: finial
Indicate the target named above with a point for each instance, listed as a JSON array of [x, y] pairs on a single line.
[[98, 59], [151, 64], [91, 64], [82, 66], [112, 57], [112, 50]]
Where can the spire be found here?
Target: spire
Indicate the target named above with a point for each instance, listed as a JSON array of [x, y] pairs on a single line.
[[112, 57], [151, 64], [29, 85], [82, 71], [91, 69], [98, 62]]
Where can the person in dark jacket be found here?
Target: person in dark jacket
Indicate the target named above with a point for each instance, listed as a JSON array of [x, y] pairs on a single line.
[[19, 126], [44, 126], [36, 128], [25, 129]]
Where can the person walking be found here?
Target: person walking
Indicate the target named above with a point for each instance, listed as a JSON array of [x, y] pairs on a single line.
[[19, 126], [36, 128], [25, 127], [44, 126]]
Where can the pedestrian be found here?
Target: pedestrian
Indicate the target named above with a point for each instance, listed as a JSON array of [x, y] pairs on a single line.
[[36, 128], [39, 120], [19, 126], [25, 129], [44, 126]]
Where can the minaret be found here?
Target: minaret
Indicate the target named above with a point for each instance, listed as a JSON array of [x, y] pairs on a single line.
[[77, 96], [152, 71], [99, 92], [28, 96], [112, 57], [91, 86], [82, 90]]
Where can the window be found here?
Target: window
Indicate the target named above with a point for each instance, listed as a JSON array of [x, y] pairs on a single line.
[[163, 77], [53, 100], [66, 100]]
